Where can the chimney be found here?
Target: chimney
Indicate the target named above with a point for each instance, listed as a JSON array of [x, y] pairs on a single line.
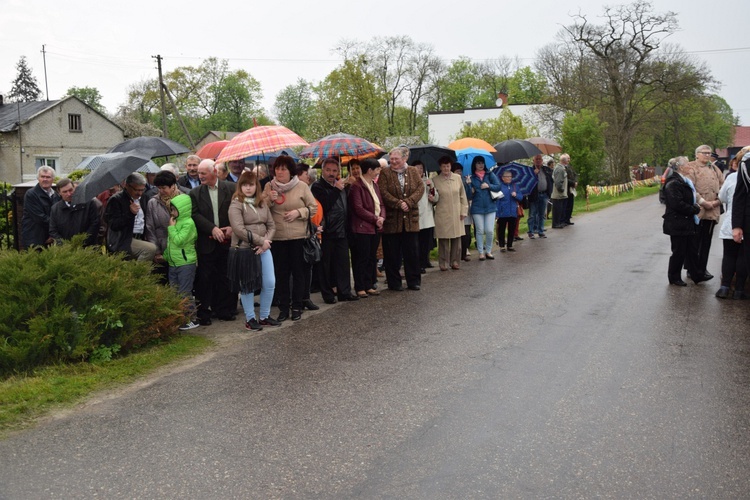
[[502, 100]]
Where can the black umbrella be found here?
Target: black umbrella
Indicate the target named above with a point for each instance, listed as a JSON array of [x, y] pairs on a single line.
[[429, 154], [111, 171], [159, 145], [514, 149]]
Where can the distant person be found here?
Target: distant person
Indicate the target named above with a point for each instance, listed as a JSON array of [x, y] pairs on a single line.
[[159, 213], [483, 206], [37, 205], [572, 184], [236, 167], [733, 260], [221, 171], [457, 168], [308, 175], [539, 197], [427, 218], [507, 212], [559, 196], [367, 219], [67, 219], [190, 180]]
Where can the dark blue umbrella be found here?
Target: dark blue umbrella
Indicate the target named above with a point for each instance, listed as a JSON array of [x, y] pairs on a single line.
[[466, 156], [523, 177]]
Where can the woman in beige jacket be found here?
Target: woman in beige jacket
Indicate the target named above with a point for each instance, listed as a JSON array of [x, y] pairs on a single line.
[[292, 204], [450, 210]]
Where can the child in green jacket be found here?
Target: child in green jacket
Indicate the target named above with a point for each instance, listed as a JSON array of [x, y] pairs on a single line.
[[180, 253]]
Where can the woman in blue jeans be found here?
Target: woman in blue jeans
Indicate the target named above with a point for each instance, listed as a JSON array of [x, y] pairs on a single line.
[[483, 206], [253, 226]]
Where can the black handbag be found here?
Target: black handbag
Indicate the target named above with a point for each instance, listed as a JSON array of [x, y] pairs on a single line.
[[311, 244], [244, 267]]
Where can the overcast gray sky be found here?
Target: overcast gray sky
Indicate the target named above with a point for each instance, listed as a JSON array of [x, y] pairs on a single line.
[[108, 45]]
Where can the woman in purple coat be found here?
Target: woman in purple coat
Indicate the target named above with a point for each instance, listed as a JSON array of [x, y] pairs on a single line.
[[367, 214]]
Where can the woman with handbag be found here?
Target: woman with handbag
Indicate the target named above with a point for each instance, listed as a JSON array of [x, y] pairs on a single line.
[[253, 230], [507, 212], [292, 204], [367, 215], [483, 206]]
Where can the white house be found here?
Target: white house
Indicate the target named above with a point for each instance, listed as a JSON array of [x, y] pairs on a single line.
[[445, 125], [55, 133]]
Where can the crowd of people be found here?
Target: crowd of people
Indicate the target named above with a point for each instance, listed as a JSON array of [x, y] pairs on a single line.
[[696, 194], [381, 220]]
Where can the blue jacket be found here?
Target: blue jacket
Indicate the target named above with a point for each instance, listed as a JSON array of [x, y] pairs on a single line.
[[507, 206], [481, 201]]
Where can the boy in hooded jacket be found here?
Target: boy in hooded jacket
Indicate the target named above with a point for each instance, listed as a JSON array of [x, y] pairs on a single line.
[[180, 253]]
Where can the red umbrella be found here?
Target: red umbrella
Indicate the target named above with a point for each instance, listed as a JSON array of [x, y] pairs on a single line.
[[260, 140], [547, 146], [211, 150], [340, 145]]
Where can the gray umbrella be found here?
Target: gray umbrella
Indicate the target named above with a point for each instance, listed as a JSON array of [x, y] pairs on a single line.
[[514, 149], [110, 172], [159, 145], [93, 162]]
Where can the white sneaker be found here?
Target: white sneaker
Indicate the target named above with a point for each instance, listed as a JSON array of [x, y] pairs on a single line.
[[188, 326]]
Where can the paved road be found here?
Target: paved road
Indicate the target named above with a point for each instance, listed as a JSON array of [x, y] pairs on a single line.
[[568, 370]]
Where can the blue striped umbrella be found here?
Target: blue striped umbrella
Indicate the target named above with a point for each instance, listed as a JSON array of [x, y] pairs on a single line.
[[523, 177]]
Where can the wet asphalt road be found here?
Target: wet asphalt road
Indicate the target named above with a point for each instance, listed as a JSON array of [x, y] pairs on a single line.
[[569, 369]]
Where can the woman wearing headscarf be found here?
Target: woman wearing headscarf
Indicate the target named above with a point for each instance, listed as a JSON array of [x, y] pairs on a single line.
[[292, 204]]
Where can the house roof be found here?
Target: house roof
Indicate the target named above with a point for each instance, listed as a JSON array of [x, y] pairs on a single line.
[[9, 113]]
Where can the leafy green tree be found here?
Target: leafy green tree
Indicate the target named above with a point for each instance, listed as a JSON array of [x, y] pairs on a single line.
[[89, 95], [526, 87], [349, 100], [622, 70], [504, 127], [583, 140], [459, 87], [295, 105], [24, 88]]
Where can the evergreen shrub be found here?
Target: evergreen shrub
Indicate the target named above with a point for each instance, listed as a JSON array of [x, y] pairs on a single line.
[[68, 303]]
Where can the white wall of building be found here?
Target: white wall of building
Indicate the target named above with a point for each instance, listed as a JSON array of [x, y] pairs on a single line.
[[444, 126]]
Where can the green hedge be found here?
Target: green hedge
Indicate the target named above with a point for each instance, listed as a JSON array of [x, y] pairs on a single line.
[[69, 303]]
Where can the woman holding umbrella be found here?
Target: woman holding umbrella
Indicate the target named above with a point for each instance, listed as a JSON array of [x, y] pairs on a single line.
[[507, 212], [483, 206], [292, 204]]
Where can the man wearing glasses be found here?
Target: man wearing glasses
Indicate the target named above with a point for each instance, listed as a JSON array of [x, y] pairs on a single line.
[[708, 180]]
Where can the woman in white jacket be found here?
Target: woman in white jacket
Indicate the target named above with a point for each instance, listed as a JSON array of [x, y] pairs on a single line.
[[733, 261]]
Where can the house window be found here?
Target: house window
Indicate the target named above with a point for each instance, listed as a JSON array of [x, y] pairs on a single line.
[[74, 123], [46, 162]]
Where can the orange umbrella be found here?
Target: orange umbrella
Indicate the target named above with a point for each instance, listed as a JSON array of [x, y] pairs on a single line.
[[211, 150], [471, 142]]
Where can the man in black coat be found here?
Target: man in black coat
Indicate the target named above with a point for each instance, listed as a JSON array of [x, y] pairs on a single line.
[[126, 223], [67, 220], [213, 289], [334, 262], [37, 205]]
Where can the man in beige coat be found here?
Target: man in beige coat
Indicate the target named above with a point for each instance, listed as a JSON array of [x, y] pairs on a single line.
[[450, 210], [707, 179]]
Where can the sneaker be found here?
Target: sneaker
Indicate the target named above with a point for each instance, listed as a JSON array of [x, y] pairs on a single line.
[[188, 326], [252, 324], [531, 236], [269, 321], [542, 235]]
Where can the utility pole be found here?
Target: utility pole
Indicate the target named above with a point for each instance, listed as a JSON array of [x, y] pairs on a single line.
[[163, 104], [44, 57]]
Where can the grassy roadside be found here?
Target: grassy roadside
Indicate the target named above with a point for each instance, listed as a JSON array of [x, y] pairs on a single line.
[[23, 399]]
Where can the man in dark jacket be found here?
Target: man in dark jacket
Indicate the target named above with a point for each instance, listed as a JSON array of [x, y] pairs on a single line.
[[37, 205], [190, 180], [66, 220], [126, 222], [334, 262], [539, 197], [213, 289]]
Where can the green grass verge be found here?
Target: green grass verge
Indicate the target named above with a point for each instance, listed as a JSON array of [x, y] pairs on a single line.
[[25, 398]]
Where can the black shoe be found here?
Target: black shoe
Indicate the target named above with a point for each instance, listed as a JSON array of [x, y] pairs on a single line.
[[330, 300], [423, 271], [308, 304], [708, 275], [414, 287], [396, 288], [253, 325], [570, 223], [723, 292], [348, 298], [429, 265], [557, 227], [701, 279], [227, 317], [739, 295], [283, 316], [296, 314], [517, 238], [511, 249], [269, 321], [205, 321], [678, 283]]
